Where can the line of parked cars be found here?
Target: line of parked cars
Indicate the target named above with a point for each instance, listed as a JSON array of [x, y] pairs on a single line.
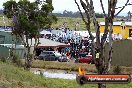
[[56, 56]]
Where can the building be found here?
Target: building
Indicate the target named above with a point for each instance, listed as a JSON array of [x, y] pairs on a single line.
[[8, 42], [17, 49], [123, 28], [6, 37]]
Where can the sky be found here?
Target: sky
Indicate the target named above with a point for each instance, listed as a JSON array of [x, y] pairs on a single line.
[[69, 5]]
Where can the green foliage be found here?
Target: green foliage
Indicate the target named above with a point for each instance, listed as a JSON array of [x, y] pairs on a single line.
[[17, 61], [29, 17], [49, 1], [48, 8], [8, 8]]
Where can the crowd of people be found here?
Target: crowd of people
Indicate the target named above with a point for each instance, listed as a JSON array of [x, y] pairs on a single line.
[[79, 45], [79, 42]]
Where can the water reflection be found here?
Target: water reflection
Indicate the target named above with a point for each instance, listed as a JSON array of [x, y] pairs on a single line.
[[56, 74]]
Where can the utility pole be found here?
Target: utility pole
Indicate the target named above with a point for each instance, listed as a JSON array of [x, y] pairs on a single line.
[[129, 16]]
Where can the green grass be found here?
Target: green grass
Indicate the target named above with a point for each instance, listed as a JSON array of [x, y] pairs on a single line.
[[72, 21], [7, 21], [13, 77]]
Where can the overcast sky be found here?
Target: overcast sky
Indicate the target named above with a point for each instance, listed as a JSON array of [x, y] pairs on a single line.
[[61, 5]]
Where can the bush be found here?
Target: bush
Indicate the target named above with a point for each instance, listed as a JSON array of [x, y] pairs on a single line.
[[117, 70], [3, 59], [16, 60]]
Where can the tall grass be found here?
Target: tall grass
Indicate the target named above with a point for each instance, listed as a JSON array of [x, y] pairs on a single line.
[[69, 66]]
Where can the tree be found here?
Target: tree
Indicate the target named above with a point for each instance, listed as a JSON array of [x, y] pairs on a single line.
[[28, 19], [102, 63]]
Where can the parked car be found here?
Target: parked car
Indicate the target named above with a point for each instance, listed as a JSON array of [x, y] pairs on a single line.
[[83, 54], [63, 58], [49, 55], [52, 56], [87, 59]]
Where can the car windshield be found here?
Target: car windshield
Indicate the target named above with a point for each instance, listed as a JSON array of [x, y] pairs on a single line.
[[57, 54], [83, 55]]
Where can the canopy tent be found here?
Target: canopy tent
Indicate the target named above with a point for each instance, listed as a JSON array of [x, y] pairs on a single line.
[[45, 32], [47, 43]]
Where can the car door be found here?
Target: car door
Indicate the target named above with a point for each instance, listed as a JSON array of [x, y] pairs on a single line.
[[52, 57]]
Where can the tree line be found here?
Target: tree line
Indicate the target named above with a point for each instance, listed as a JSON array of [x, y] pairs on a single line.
[[66, 13]]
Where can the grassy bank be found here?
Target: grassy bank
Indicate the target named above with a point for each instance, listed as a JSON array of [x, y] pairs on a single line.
[[70, 66], [13, 77]]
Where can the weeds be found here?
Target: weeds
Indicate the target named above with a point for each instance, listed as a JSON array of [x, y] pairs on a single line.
[[17, 61], [117, 70]]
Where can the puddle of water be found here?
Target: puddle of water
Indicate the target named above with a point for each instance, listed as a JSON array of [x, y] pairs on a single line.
[[57, 74]]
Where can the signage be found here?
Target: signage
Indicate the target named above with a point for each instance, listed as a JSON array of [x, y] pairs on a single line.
[[130, 32], [91, 78]]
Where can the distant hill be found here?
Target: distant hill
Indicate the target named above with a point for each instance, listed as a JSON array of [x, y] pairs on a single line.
[[66, 13]]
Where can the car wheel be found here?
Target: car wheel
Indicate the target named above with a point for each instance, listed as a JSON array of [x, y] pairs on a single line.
[[89, 62], [92, 62], [68, 60], [44, 59], [56, 59], [41, 58]]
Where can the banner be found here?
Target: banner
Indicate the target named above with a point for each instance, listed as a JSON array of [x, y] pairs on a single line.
[[92, 78]]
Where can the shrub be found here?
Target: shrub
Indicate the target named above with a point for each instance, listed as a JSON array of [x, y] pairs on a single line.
[[3, 59], [117, 70], [16, 60]]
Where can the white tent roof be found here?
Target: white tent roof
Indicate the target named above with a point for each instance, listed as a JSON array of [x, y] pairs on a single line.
[[45, 32], [47, 43], [118, 23], [14, 46]]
